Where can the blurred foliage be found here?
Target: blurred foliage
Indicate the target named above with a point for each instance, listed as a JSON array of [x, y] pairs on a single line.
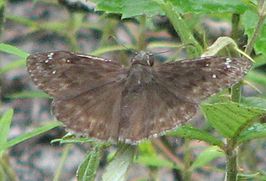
[[237, 123]]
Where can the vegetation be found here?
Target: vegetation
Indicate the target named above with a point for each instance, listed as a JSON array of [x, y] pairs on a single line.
[[233, 120]]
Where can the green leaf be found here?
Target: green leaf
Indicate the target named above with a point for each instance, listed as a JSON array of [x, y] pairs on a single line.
[[13, 65], [257, 77], [87, 169], [247, 176], [250, 19], [28, 94], [13, 50], [107, 49], [229, 119], [129, 8], [256, 102], [254, 132], [194, 133], [113, 6], [5, 123], [207, 156], [117, 168], [210, 6], [148, 156], [155, 161], [71, 138], [31, 134], [140, 7]]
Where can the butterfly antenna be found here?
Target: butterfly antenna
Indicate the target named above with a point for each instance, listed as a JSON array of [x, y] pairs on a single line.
[[158, 53], [119, 43]]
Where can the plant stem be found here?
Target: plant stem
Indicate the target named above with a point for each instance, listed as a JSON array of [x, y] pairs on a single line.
[[6, 168], [59, 169], [231, 161], [181, 28], [187, 161], [258, 28], [168, 153], [2, 14], [142, 37], [235, 26], [230, 149]]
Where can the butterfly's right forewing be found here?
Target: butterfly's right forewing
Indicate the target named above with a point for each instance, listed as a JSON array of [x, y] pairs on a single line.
[[86, 90]]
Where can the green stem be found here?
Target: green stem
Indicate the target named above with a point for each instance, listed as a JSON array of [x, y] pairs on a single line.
[[181, 28], [2, 14], [231, 161], [258, 28], [74, 25], [7, 170], [108, 31], [187, 161], [235, 26], [59, 169], [142, 37]]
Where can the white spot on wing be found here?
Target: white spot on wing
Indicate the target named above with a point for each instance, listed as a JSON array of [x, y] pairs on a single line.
[[50, 56], [54, 72], [214, 76]]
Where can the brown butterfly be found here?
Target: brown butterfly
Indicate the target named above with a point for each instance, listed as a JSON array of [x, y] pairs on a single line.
[[100, 98]]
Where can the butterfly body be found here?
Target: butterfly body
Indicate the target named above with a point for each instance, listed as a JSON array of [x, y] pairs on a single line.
[[100, 98]]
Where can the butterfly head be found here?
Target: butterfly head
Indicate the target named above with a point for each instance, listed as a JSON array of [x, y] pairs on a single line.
[[143, 58]]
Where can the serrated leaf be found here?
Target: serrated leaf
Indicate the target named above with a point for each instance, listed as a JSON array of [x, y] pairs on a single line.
[[207, 156], [117, 168], [230, 118], [13, 50], [140, 7], [254, 132], [5, 123], [87, 169], [129, 8], [113, 6], [35, 132], [210, 6], [194, 133]]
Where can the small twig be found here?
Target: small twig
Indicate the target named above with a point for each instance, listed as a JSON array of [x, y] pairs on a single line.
[[168, 153], [59, 169], [258, 28]]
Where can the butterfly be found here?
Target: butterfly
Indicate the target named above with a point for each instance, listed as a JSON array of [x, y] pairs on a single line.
[[101, 98]]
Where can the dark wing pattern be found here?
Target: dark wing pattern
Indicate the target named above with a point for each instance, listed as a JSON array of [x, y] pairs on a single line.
[[99, 98], [86, 90], [94, 113], [197, 79], [148, 108], [64, 74]]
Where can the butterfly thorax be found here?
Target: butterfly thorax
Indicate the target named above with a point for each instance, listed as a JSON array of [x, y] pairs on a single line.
[[143, 58]]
